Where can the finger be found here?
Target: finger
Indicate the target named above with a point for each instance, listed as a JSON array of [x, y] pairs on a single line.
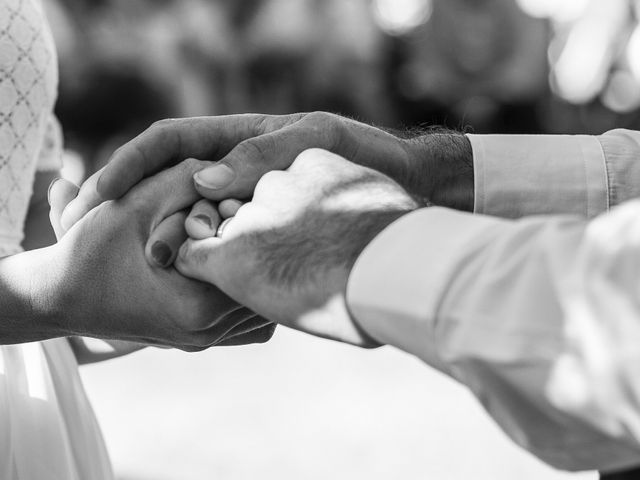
[[86, 199], [236, 175], [164, 144], [165, 241], [229, 207], [61, 192], [170, 141], [203, 220], [166, 193], [199, 259], [243, 321], [259, 335], [250, 323], [239, 320]]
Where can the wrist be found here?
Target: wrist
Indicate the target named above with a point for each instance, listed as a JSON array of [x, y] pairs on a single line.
[[31, 310], [376, 223], [442, 169]]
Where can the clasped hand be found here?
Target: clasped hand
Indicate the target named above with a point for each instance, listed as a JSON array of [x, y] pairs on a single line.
[[288, 252], [106, 288]]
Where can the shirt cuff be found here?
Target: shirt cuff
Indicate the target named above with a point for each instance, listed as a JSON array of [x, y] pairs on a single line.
[[520, 175], [622, 158], [397, 283]]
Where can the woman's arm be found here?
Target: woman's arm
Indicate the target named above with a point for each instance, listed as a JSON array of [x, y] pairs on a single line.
[[39, 234], [30, 309]]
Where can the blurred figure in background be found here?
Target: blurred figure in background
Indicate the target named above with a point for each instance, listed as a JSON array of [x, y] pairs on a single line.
[[329, 55], [478, 63], [520, 66]]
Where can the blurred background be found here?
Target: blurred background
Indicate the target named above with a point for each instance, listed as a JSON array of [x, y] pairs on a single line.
[[300, 407], [508, 66]]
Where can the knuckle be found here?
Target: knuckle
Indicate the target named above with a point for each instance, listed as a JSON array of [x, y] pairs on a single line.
[[255, 149], [311, 156], [262, 123], [327, 126], [272, 178], [245, 220], [120, 150], [293, 118], [243, 211], [192, 164], [319, 117], [163, 124], [268, 183]]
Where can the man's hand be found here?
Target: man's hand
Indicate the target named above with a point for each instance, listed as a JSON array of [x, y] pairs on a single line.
[[104, 287], [288, 253], [435, 166]]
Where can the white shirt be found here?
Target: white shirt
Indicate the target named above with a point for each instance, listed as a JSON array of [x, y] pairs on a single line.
[[539, 317]]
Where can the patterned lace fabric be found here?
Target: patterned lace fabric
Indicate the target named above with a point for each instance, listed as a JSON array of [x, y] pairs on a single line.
[[28, 134], [47, 426]]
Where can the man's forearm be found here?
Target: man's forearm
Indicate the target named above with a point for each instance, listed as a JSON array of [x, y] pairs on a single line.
[[513, 176], [28, 305], [442, 169]]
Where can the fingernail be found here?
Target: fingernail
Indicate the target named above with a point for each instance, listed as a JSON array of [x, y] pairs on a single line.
[[204, 219], [55, 180], [161, 253], [215, 177]]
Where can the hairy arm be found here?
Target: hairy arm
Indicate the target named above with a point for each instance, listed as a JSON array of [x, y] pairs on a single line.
[[443, 168]]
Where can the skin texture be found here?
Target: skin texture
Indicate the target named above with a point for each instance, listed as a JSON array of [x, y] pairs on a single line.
[[435, 166], [288, 253], [102, 286], [55, 198]]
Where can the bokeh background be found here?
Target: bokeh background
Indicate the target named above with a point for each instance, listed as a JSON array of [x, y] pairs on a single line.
[[300, 407]]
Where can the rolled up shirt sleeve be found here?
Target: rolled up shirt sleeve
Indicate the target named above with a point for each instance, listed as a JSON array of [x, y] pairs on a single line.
[[539, 317], [520, 175]]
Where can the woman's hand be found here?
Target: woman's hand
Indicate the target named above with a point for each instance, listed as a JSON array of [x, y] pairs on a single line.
[[86, 350], [105, 287]]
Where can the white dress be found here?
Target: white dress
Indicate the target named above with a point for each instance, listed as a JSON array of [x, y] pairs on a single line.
[[47, 427]]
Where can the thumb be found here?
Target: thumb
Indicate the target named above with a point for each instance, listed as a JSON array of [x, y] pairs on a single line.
[[202, 260], [61, 193], [237, 174], [85, 199]]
